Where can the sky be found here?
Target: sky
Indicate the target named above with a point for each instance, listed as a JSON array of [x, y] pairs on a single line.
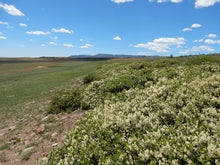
[[35, 28]]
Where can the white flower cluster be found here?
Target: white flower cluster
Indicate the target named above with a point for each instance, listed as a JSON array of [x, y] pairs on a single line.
[[173, 119]]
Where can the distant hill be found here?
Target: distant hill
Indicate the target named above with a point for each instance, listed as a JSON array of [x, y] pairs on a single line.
[[112, 56], [80, 56]]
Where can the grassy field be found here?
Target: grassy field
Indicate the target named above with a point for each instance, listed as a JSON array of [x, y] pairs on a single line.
[[24, 82]]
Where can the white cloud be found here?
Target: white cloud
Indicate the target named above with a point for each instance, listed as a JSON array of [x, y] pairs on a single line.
[[117, 38], [198, 49], [3, 23], [1, 33], [162, 44], [86, 46], [187, 29], [198, 40], [62, 30], [176, 1], [22, 24], [37, 32], [52, 43], [68, 45], [210, 41], [54, 38], [10, 9], [82, 40], [122, 1], [130, 45], [31, 39], [205, 3], [43, 45], [161, 1], [211, 35], [195, 25], [183, 52], [2, 37], [202, 48]]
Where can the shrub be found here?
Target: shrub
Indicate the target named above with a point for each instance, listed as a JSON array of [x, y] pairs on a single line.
[[203, 59], [95, 93], [140, 65], [90, 78], [66, 100], [166, 62], [173, 119]]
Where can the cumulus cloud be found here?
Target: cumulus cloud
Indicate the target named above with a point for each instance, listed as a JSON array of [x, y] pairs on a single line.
[[22, 24], [122, 1], [198, 40], [161, 1], [54, 38], [211, 35], [117, 38], [37, 32], [205, 3], [68, 45], [43, 45], [198, 49], [210, 41], [162, 45], [86, 46], [10, 9], [2, 37], [187, 29], [202, 48], [195, 25], [52, 43], [3, 23], [62, 30]]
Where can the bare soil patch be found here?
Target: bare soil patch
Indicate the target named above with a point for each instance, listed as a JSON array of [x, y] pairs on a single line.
[[24, 143], [41, 67]]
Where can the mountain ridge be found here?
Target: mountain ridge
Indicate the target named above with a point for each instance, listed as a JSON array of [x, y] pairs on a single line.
[[103, 55]]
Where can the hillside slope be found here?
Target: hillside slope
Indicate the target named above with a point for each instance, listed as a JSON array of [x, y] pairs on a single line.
[[160, 112]]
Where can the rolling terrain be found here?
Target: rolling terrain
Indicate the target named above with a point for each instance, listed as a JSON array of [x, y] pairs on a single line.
[[111, 111]]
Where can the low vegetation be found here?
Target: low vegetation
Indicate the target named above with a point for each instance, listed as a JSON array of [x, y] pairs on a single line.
[[163, 111], [25, 82]]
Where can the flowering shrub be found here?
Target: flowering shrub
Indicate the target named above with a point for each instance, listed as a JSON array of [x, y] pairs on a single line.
[[65, 100], [149, 115]]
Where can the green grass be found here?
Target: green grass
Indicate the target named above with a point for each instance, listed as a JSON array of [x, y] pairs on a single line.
[[5, 146], [22, 82]]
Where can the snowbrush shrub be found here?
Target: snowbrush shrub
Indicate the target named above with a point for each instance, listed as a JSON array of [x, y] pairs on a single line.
[[166, 62], [203, 59], [168, 113], [66, 100], [91, 77]]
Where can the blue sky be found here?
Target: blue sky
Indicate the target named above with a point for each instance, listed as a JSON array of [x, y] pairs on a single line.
[[34, 28]]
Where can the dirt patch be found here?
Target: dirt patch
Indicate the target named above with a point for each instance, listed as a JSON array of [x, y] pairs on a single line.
[[23, 136], [41, 67]]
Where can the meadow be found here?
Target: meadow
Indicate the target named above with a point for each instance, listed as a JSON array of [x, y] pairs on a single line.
[[25, 82], [136, 111], [164, 111]]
